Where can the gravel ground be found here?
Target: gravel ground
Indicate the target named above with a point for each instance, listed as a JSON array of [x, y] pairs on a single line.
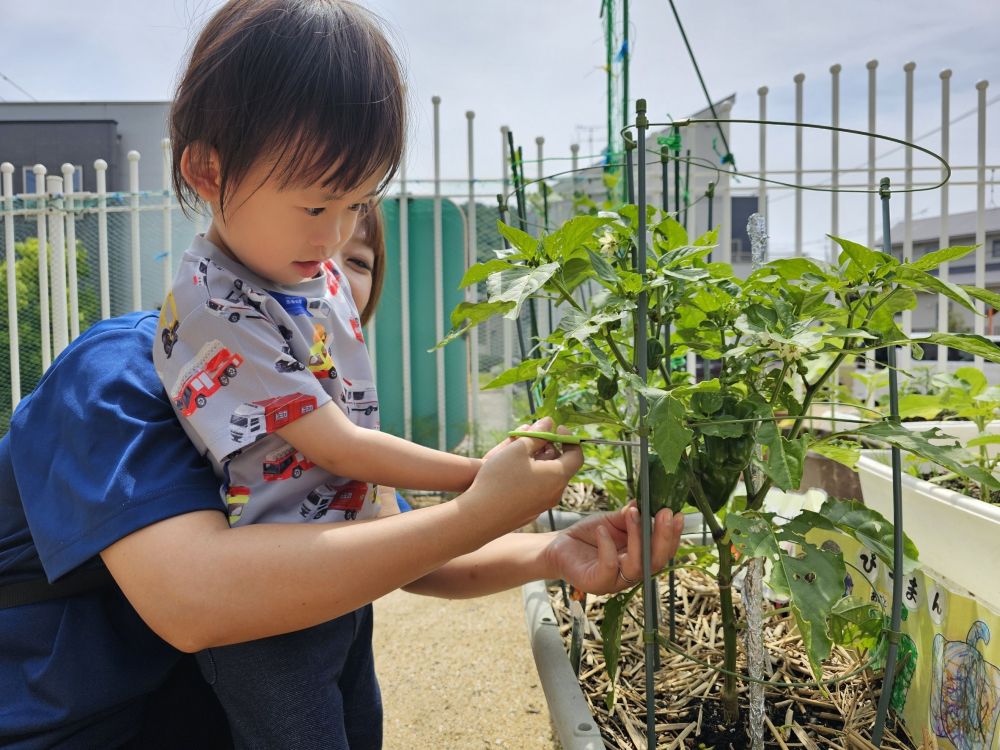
[[458, 675]]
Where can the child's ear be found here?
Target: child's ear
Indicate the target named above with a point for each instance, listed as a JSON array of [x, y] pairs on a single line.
[[200, 169]]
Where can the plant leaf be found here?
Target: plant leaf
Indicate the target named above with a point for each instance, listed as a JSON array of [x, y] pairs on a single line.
[[670, 434], [813, 582], [611, 637], [480, 271], [843, 452], [519, 373], [936, 258], [518, 283], [951, 456], [523, 242]]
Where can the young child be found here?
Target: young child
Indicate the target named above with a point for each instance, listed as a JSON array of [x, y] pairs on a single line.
[[260, 347]]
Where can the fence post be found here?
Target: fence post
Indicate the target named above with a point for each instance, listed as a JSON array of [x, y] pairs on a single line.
[[69, 204], [133, 188], [404, 299], [57, 241], [43, 266], [507, 326], [471, 294], [439, 280], [799, 78], [871, 65], [944, 239], [7, 172], [168, 235], [101, 173], [834, 159], [905, 358], [726, 198], [762, 185], [981, 87]]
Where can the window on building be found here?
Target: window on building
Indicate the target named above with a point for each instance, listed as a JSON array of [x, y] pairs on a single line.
[[996, 248], [28, 179]]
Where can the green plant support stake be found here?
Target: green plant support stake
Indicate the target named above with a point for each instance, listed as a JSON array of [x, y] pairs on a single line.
[[897, 510], [648, 590]]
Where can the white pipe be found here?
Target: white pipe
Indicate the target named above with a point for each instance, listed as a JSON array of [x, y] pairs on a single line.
[[57, 241], [471, 294], [545, 309], [724, 192], [404, 300], [168, 238], [43, 266], [981, 87], [7, 172], [834, 159], [69, 204], [439, 280], [762, 185], [799, 78], [507, 326], [905, 358], [944, 239], [133, 187], [101, 173]]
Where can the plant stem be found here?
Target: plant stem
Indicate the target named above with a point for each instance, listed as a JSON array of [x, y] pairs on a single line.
[[730, 701], [625, 364]]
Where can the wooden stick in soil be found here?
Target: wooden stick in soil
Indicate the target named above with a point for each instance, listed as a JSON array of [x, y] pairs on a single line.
[[775, 733]]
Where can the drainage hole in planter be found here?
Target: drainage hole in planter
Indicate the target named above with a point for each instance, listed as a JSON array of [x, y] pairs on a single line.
[[547, 620], [584, 727]]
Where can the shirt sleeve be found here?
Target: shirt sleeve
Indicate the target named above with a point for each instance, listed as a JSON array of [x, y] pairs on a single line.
[[97, 451], [228, 377]]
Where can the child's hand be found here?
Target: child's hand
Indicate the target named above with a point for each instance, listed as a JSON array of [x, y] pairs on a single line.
[[603, 552], [522, 477]]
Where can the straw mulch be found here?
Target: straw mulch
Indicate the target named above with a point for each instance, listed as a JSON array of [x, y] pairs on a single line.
[[687, 708]]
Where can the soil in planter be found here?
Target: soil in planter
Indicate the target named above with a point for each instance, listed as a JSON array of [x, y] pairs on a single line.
[[966, 488], [688, 712]]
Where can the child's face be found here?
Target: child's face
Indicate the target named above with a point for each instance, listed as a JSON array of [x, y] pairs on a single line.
[[357, 260], [284, 235]]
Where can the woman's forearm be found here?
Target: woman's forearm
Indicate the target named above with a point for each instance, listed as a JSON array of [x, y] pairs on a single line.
[[228, 585], [506, 562]]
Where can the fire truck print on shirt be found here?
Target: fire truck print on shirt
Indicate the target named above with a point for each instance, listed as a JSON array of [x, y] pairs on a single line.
[[240, 358]]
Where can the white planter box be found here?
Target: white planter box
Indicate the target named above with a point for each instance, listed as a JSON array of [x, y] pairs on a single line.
[[956, 535], [568, 708]]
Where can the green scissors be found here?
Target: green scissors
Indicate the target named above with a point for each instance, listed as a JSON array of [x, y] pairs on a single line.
[[557, 437]]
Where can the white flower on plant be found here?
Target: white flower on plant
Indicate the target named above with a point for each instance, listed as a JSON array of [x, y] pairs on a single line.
[[608, 242]]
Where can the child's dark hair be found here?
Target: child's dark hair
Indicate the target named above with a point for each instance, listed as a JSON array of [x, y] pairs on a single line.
[[313, 84]]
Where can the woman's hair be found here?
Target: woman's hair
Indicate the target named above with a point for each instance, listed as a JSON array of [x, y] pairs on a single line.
[[371, 231], [313, 85]]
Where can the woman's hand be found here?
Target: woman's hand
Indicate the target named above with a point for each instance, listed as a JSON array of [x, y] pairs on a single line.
[[597, 553]]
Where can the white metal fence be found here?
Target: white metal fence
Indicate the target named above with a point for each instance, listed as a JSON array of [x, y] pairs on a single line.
[[108, 253]]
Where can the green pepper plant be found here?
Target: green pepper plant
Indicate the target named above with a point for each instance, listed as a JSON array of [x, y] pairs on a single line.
[[769, 345]]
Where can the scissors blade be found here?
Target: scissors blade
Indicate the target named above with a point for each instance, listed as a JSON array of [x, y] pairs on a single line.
[[603, 441]]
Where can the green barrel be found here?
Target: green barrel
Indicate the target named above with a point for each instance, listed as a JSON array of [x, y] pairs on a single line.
[[388, 325]]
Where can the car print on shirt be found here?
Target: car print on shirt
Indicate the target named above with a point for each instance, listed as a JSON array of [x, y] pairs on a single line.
[[237, 498], [349, 498], [169, 324], [320, 363], [360, 396], [285, 463], [332, 276], [252, 421], [203, 375], [286, 362]]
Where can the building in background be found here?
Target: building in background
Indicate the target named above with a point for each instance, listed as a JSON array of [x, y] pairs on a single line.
[[926, 234], [79, 133]]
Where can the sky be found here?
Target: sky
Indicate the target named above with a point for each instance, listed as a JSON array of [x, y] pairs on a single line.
[[536, 66]]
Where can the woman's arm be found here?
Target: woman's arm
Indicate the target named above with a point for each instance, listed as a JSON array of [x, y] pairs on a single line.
[[588, 555], [199, 583]]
